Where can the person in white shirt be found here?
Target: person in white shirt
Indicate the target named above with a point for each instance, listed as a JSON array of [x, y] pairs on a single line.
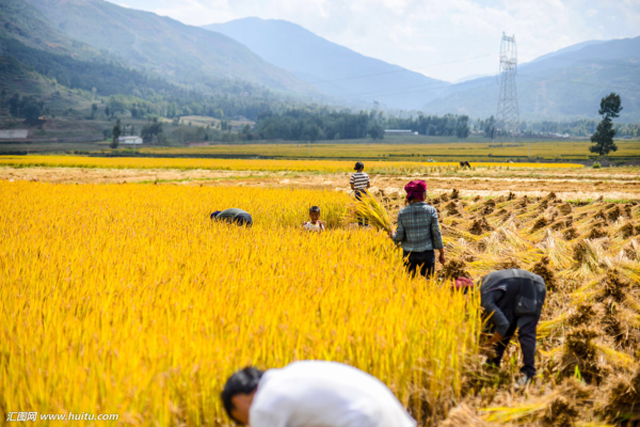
[[314, 224], [312, 394]]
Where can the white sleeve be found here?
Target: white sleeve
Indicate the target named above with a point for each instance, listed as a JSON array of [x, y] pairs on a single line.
[[266, 419]]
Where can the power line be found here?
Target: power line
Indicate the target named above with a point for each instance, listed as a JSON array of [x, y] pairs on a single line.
[[402, 70]]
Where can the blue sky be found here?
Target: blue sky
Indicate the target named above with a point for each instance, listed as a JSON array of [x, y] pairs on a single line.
[[445, 39]]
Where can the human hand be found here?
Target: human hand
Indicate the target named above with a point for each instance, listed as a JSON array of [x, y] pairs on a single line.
[[442, 258]]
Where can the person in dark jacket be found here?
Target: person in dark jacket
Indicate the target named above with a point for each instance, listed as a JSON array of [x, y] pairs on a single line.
[[513, 299], [234, 216]]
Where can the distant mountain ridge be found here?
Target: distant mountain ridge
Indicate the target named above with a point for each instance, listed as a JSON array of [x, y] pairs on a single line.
[[181, 53], [334, 69], [567, 84]]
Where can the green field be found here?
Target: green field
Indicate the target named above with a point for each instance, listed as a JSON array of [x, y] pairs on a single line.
[[406, 148]]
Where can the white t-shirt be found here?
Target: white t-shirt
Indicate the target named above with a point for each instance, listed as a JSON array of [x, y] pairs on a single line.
[[309, 226], [325, 394]]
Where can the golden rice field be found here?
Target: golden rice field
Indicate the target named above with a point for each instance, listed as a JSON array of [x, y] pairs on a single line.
[[321, 166], [126, 299]]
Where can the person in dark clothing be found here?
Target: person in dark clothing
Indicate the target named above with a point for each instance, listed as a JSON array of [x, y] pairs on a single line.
[[234, 216], [513, 299]]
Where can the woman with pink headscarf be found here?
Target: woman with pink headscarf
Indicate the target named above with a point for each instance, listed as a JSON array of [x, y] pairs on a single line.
[[419, 231]]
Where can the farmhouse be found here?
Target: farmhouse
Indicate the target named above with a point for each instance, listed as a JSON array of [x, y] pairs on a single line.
[[130, 140], [14, 134]]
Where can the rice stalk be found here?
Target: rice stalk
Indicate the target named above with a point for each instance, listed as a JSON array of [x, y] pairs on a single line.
[[369, 209]]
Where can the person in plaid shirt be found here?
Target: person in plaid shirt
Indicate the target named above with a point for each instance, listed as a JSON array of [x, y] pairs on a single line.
[[418, 231]]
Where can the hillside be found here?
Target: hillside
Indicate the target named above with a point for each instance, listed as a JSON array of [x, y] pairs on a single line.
[[566, 84], [38, 61], [334, 69], [184, 54]]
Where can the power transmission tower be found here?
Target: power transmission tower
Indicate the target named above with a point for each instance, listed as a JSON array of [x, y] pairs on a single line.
[[507, 124]]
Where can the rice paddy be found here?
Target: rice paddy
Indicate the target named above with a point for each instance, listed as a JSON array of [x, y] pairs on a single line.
[[127, 299]]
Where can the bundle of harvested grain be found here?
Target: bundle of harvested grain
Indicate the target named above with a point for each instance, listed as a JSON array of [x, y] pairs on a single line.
[[368, 209]]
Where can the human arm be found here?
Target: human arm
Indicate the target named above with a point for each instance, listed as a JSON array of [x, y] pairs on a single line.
[[352, 182], [400, 233], [436, 236], [497, 317], [321, 225]]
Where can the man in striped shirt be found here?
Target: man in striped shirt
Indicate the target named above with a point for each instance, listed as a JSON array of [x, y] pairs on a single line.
[[359, 180], [359, 184]]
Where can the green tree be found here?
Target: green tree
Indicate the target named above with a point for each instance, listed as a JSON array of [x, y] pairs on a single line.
[[94, 108], [151, 131], [462, 127], [376, 132], [116, 134], [602, 138]]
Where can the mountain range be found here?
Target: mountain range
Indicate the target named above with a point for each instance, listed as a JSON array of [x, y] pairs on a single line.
[[334, 69], [46, 45], [567, 84], [562, 85], [178, 52]]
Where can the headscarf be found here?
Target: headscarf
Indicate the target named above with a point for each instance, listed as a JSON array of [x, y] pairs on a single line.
[[463, 283], [415, 190]]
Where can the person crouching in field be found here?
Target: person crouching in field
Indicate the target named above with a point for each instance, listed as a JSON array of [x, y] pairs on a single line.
[[234, 216], [418, 231], [314, 224], [312, 393], [511, 299]]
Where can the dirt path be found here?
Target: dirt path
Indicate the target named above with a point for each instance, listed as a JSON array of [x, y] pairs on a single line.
[[581, 184]]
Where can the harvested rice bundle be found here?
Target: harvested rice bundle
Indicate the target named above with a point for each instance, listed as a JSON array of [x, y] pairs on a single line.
[[368, 208], [540, 223], [456, 232], [625, 231], [624, 399], [479, 227], [565, 208], [455, 268], [557, 251], [463, 415], [587, 255], [542, 269], [452, 209], [613, 288], [580, 354], [555, 408]]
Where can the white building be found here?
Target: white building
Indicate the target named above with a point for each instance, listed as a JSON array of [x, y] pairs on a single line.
[[14, 134], [130, 140]]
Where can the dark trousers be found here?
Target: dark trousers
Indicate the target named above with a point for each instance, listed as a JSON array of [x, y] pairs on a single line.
[[359, 195], [527, 336], [424, 262]]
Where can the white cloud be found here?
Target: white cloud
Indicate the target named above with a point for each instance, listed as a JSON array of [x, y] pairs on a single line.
[[446, 39]]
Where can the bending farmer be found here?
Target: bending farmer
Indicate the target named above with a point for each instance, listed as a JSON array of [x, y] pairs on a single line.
[[233, 215], [312, 393], [513, 299], [419, 231]]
